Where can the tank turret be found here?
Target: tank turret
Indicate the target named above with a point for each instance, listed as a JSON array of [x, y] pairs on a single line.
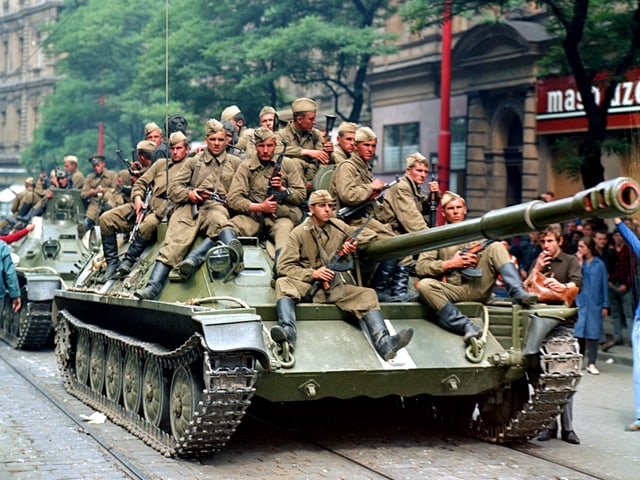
[[180, 371]]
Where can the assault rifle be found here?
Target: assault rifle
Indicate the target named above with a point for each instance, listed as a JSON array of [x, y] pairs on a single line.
[[348, 213], [432, 203], [474, 248], [335, 263], [277, 172], [141, 214], [129, 164], [206, 195]]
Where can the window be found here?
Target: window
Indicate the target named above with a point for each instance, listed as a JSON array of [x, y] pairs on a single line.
[[399, 141], [458, 166]]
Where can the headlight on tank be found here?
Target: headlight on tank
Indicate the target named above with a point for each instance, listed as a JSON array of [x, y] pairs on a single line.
[[218, 261], [64, 202], [50, 248]]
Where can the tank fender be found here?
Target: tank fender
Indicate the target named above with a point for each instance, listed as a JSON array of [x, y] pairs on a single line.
[[541, 323], [228, 331], [41, 288]]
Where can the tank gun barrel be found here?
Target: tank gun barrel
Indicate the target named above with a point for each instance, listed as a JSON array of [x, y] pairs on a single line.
[[613, 198]]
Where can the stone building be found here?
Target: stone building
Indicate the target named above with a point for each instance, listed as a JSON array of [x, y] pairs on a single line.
[[26, 77]]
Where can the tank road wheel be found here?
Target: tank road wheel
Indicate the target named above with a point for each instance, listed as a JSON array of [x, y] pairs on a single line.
[[186, 392], [83, 355], [500, 405], [132, 382], [155, 393], [97, 366], [114, 374]]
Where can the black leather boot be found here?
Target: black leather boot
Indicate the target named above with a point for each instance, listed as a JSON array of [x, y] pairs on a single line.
[[195, 259], [514, 286], [400, 286], [382, 277], [84, 226], [452, 319], [155, 283], [229, 237], [136, 247], [110, 251], [386, 345], [286, 330]]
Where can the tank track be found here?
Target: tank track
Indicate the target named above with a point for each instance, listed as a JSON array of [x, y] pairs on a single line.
[[553, 386], [228, 388], [34, 325]]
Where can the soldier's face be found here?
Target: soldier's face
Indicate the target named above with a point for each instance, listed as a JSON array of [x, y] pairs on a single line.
[[455, 211], [155, 137], [321, 212], [267, 120], [70, 166], [144, 158], [418, 173], [266, 149], [367, 149], [98, 167], [179, 151], [347, 141], [216, 142], [306, 121]]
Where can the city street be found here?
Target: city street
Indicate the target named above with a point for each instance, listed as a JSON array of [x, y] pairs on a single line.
[[331, 440]]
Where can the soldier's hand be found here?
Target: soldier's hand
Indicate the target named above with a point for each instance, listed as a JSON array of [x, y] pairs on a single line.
[[328, 147], [323, 273], [194, 196], [377, 184], [349, 246], [276, 182], [322, 157], [138, 204], [434, 187], [269, 205]]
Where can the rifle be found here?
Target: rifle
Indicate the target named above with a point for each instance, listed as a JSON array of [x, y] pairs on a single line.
[[474, 248], [334, 263], [433, 196], [346, 213], [277, 171], [44, 176], [128, 163], [208, 195], [141, 214]]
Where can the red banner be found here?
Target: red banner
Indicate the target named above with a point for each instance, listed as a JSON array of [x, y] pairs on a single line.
[[560, 110]]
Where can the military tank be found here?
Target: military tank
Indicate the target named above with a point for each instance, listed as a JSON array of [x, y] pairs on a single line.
[[47, 259], [180, 371]]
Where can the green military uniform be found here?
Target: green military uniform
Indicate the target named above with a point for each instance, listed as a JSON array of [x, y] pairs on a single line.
[[250, 185], [202, 171], [403, 206], [107, 180], [310, 247], [297, 141], [77, 179], [22, 204], [339, 155]]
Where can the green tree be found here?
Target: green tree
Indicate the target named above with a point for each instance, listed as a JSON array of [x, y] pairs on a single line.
[[590, 37]]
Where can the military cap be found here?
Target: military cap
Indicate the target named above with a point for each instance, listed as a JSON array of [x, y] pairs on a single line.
[[213, 126], [96, 158], [146, 146], [303, 105], [347, 127], [61, 174], [449, 196], [230, 112], [262, 134], [29, 181], [151, 127], [70, 158], [320, 196], [265, 110], [414, 158], [177, 137], [365, 133]]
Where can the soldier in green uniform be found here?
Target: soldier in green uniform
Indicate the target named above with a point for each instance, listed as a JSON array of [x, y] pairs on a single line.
[[403, 208], [121, 219], [95, 185], [277, 214], [303, 262], [305, 143], [346, 142], [449, 263], [201, 178]]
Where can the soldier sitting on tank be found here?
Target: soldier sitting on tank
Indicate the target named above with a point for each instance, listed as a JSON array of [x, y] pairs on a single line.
[[198, 191], [122, 218], [303, 272], [403, 208], [257, 212], [95, 186], [62, 182], [22, 204], [353, 185], [445, 280]]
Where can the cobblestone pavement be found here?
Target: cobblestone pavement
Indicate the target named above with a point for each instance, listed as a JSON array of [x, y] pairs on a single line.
[[335, 440]]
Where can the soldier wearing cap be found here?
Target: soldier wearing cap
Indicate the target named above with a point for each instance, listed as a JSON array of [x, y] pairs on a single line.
[[403, 208], [305, 143], [303, 264], [276, 214], [76, 177], [474, 285], [61, 183], [235, 117], [268, 118], [93, 191], [200, 180], [346, 142], [354, 186], [21, 206]]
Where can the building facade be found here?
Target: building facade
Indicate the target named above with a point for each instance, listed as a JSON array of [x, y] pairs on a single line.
[[26, 77]]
